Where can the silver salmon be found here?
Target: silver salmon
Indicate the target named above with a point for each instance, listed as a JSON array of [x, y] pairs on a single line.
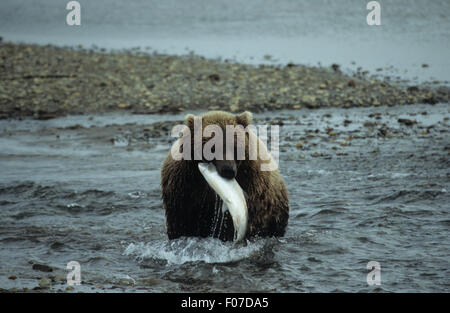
[[231, 194]]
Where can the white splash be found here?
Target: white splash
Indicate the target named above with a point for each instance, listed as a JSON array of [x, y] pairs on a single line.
[[183, 250]]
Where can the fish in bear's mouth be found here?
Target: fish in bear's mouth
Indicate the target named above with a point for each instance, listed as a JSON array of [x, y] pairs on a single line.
[[232, 196]]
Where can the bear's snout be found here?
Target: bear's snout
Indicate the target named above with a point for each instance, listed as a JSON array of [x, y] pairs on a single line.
[[226, 169]]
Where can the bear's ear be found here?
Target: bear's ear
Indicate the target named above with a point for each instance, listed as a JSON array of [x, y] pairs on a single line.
[[244, 119], [189, 121]]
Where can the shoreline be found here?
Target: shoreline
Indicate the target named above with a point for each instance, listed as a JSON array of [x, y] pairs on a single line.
[[47, 81]]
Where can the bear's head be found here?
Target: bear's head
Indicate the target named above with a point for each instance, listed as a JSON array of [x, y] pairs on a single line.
[[220, 137]]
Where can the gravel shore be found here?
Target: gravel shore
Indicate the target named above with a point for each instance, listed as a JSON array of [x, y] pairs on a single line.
[[47, 81]]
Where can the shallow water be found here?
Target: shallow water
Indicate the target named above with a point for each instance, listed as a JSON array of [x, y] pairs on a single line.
[[86, 189]]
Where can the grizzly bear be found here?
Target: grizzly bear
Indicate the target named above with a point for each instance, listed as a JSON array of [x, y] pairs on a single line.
[[191, 205]]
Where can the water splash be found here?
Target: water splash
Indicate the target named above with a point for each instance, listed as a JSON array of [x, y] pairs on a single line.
[[217, 209], [183, 250]]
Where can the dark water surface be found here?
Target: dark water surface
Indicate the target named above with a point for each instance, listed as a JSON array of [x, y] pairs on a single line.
[[86, 189]]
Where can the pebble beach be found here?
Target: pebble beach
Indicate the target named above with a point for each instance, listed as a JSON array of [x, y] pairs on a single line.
[[47, 81]]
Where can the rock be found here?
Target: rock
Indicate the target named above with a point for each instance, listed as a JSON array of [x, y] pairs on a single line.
[[59, 278], [382, 132], [335, 67], [12, 277], [126, 281], [413, 89], [369, 124], [346, 122], [310, 101], [214, 77], [299, 145], [44, 283], [406, 121], [150, 281], [42, 268], [69, 288]]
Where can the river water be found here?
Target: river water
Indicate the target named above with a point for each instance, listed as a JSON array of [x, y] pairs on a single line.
[[86, 189]]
